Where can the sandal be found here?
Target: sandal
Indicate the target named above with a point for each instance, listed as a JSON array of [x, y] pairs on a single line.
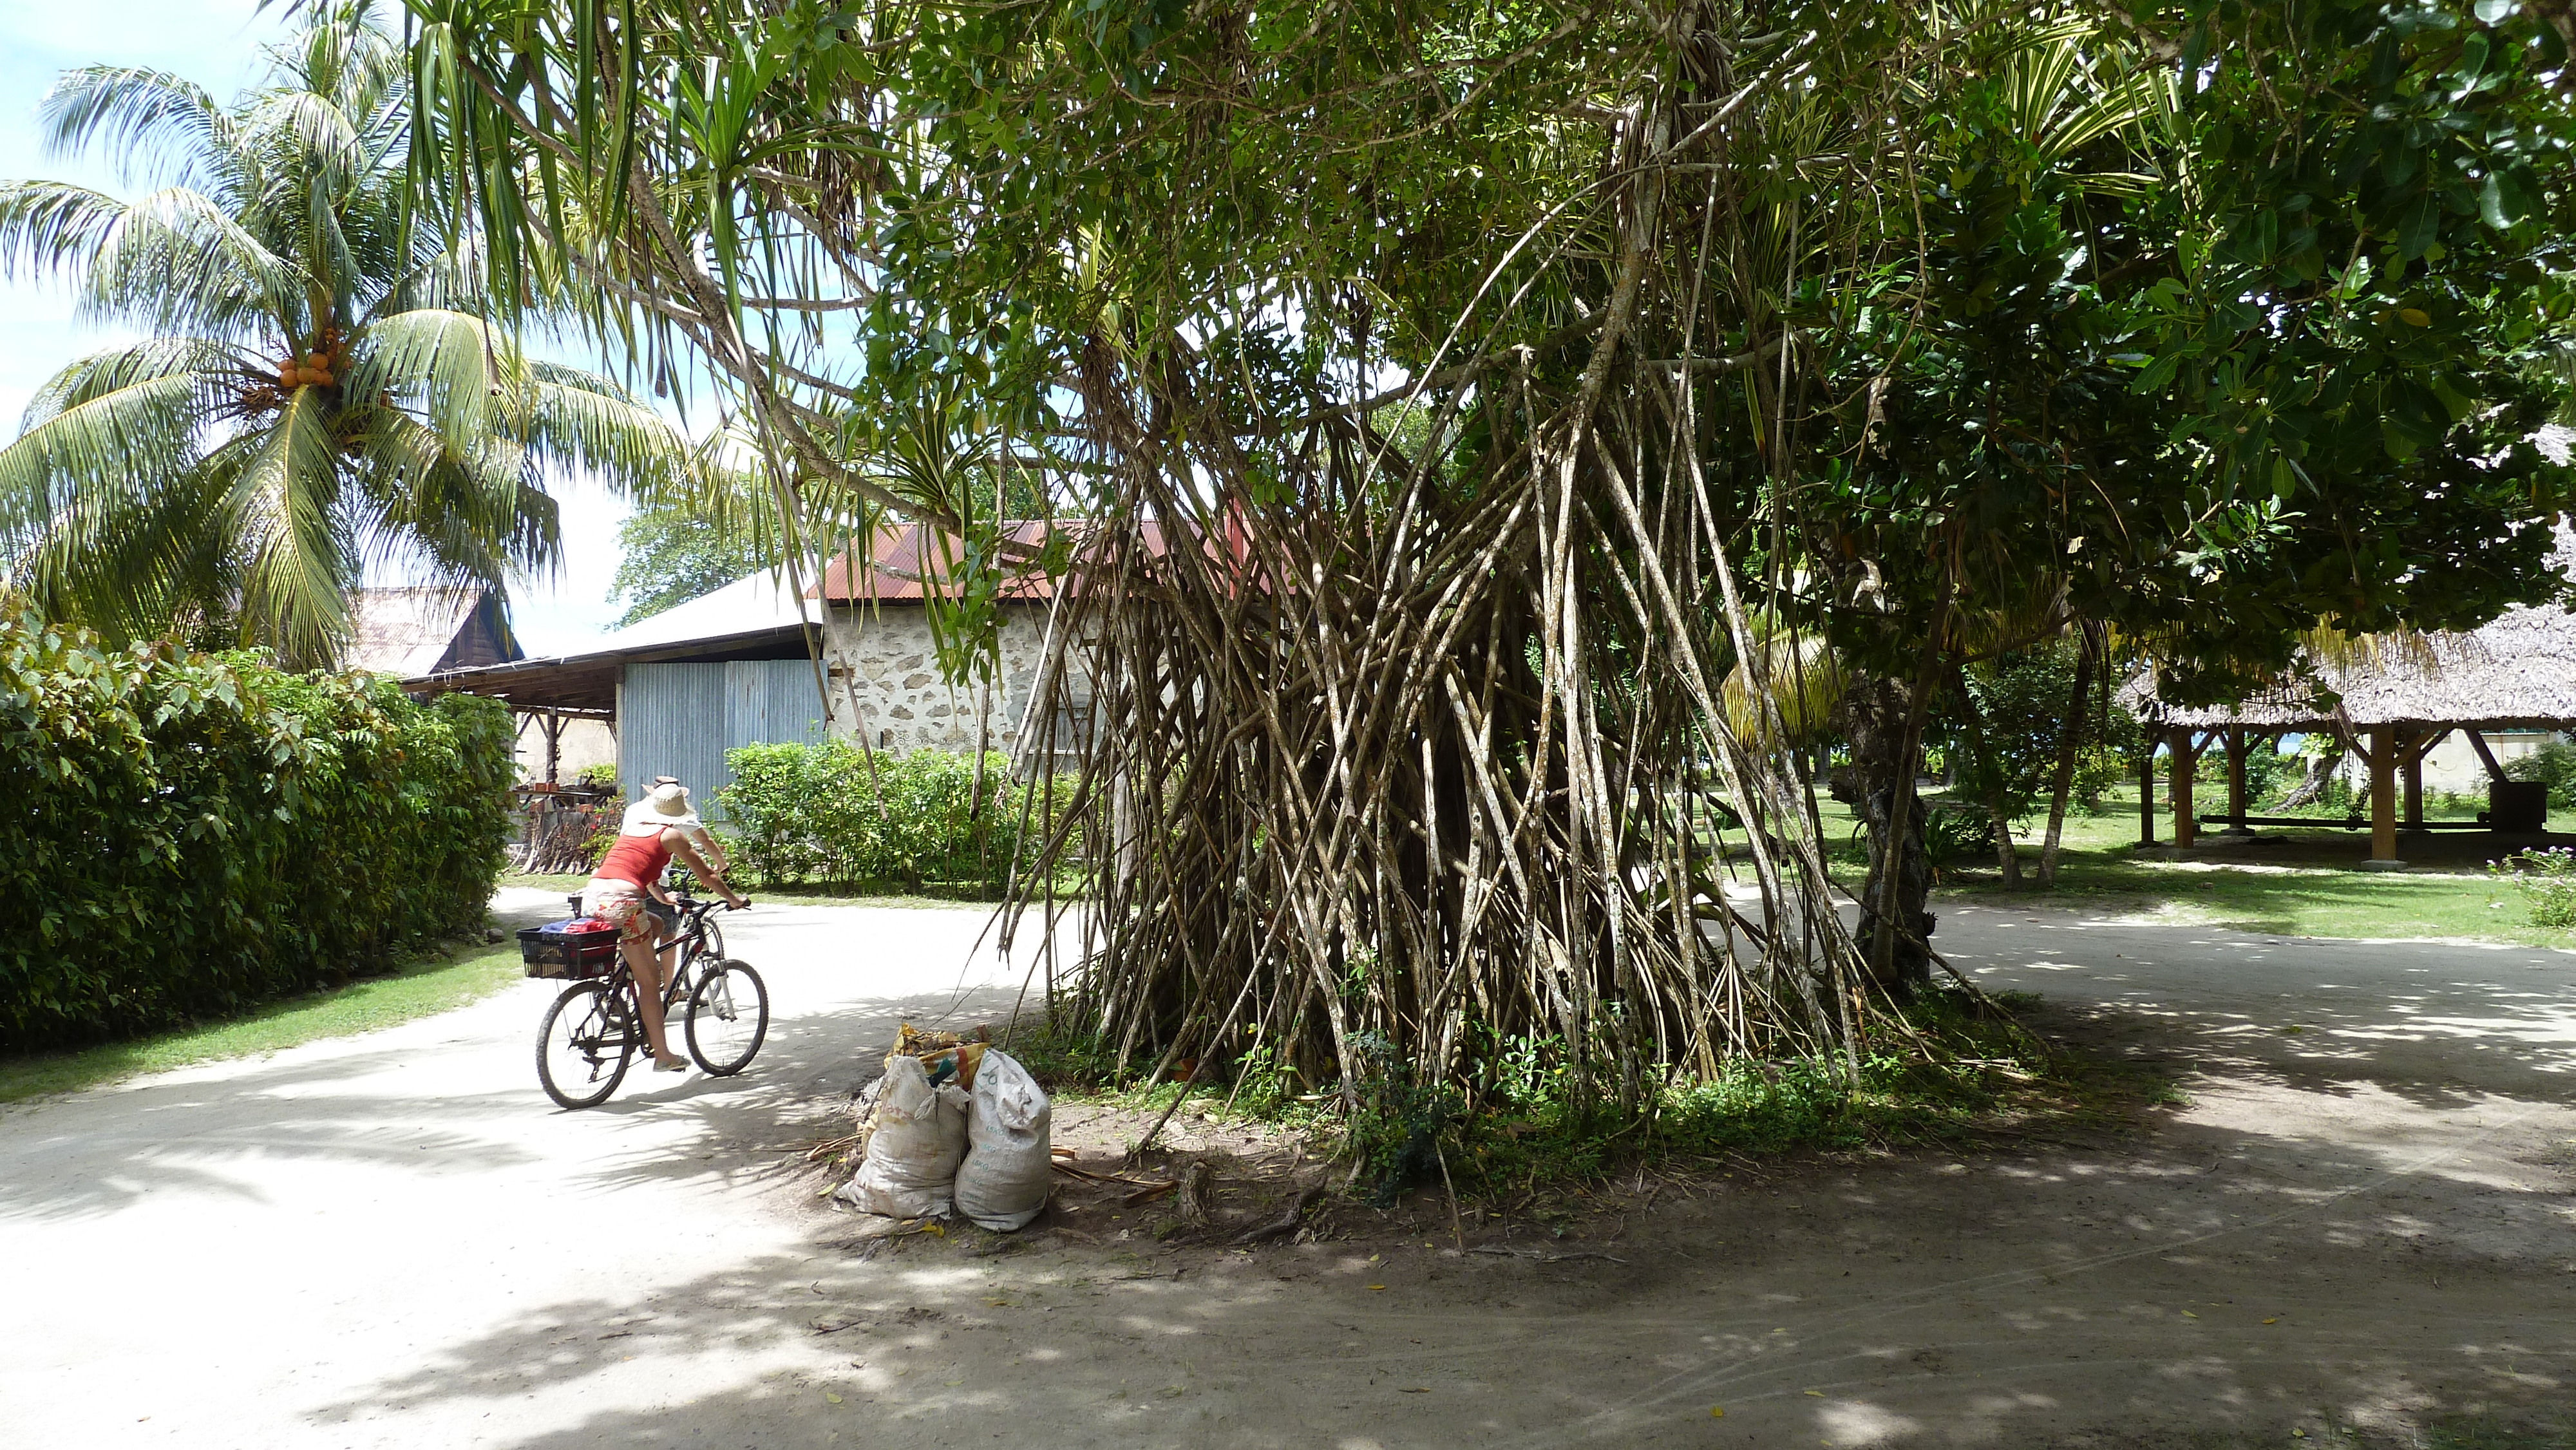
[[670, 1064]]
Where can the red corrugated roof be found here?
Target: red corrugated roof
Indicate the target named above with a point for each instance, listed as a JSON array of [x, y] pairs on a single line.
[[894, 563]]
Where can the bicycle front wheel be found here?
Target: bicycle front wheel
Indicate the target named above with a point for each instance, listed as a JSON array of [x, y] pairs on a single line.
[[584, 1046], [728, 1018]]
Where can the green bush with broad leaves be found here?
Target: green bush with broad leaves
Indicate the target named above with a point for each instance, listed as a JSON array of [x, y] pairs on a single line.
[[198, 834], [827, 815]]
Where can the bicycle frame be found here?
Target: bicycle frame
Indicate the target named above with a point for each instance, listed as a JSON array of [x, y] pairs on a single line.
[[689, 934]]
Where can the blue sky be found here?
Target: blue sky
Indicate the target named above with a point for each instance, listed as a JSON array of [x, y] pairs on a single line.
[[215, 43]]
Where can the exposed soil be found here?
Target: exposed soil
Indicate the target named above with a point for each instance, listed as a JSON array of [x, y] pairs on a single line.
[[2356, 1229]]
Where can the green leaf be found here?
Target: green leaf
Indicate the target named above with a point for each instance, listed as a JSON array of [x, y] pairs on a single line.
[[2492, 205], [2417, 226]]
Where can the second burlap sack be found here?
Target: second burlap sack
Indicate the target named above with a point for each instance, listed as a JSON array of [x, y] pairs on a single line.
[[1008, 1169]]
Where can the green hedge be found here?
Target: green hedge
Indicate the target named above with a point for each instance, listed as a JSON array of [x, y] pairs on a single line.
[[809, 815], [202, 833]]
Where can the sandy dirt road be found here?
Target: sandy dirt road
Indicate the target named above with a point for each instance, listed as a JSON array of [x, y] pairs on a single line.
[[392, 1240]]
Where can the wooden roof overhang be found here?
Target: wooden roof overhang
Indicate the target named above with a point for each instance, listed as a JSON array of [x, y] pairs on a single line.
[[587, 684]]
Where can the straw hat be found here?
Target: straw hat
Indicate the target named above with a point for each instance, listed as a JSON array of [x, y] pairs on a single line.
[[666, 804]]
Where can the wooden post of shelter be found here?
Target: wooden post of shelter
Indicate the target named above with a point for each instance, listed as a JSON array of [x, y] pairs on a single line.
[[2236, 780], [2419, 746], [552, 723], [2147, 794], [2186, 760], [2380, 748]]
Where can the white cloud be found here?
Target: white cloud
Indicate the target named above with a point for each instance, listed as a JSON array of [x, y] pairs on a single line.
[[566, 613]]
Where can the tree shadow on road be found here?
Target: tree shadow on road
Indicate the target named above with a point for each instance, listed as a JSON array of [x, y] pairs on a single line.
[[2211, 1287]]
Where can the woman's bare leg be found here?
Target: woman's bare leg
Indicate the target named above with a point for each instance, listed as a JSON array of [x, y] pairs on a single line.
[[648, 992]]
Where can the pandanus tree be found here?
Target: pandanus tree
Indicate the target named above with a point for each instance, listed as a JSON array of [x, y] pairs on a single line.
[[1484, 419], [318, 390]]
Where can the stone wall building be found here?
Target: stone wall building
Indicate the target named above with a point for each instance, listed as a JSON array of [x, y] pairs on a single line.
[[884, 655]]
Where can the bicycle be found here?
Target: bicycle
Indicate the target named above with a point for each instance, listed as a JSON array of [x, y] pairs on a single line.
[[591, 1033]]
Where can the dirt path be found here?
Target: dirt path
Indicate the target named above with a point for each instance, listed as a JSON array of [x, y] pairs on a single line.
[[387, 1241]]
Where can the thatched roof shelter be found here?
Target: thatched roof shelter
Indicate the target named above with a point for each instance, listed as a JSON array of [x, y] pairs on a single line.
[[2390, 700], [410, 631], [2517, 672]]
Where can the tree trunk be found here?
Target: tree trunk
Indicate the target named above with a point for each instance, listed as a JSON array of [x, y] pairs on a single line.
[[2007, 860], [2313, 789], [2070, 737], [1886, 754]]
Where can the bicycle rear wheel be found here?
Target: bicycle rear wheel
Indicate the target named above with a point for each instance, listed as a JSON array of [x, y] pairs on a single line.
[[584, 1046], [728, 1018]]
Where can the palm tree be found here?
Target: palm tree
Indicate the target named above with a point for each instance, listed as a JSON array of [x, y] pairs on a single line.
[[317, 393]]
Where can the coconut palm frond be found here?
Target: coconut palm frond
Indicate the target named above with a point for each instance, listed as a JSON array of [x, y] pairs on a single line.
[[572, 417], [283, 504], [107, 371], [172, 261], [299, 418], [164, 128], [445, 364], [112, 440]]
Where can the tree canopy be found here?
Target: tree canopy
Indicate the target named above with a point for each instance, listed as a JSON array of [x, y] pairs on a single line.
[[1460, 395]]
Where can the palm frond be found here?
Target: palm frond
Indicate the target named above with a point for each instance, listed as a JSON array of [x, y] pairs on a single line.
[[283, 501], [163, 128], [445, 364], [1799, 683], [113, 433], [172, 261], [579, 419], [111, 369]]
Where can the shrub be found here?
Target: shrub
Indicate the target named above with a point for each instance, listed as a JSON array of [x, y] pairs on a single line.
[[817, 815], [202, 833], [2547, 878], [2553, 764]]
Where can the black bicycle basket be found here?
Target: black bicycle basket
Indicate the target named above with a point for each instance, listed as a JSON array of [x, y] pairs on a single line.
[[583, 946]]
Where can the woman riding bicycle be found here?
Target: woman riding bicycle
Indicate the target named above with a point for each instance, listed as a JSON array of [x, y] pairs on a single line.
[[655, 829]]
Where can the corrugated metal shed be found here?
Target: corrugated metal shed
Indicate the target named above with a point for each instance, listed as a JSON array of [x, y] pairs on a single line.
[[680, 719]]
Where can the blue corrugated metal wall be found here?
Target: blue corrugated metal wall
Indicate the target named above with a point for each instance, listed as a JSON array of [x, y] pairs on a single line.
[[681, 719]]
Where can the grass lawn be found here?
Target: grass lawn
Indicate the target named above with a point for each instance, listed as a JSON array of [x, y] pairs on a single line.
[[2289, 881], [427, 987]]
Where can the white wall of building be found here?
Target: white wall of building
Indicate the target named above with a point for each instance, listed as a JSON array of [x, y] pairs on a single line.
[[2454, 766]]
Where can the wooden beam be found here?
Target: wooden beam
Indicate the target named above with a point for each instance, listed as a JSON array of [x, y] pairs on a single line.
[[2486, 757]]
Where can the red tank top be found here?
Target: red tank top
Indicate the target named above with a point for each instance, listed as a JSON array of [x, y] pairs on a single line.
[[639, 859]]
